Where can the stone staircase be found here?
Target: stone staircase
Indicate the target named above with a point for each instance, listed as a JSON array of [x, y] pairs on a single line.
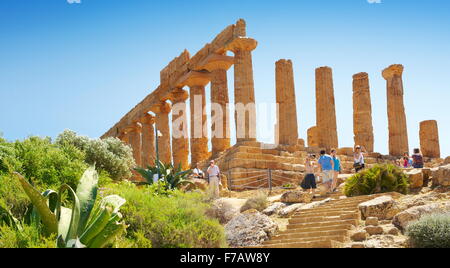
[[327, 226]]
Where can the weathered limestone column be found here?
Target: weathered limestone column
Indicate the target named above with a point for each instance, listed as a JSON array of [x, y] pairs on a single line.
[[429, 139], [218, 65], [398, 132], [148, 140], [286, 101], [199, 132], [362, 112], [135, 139], [244, 88], [180, 136], [313, 137], [326, 109], [162, 111]]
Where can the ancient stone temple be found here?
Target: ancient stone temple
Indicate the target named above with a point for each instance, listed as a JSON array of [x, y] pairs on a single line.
[[326, 109], [185, 78], [362, 112], [158, 127], [398, 132], [286, 101], [429, 139]]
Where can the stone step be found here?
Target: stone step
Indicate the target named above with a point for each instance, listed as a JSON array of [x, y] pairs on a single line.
[[351, 216], [304, 235], [338, 238], [301, 214], [318, 229], [295, 226]]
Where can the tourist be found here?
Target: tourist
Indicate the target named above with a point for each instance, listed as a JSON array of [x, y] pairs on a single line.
[[309, 182], [417, 159], [198, 173], [214, 179], [337, 169], [326, 165], [406, 161], [358, 156]]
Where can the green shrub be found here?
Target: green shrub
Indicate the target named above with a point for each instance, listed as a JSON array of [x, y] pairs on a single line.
[[170, 220], [259, 202], [110, 155], [12, 196], [28, 237], [47, 165], [173, 177], [431, 231], [379, 179]]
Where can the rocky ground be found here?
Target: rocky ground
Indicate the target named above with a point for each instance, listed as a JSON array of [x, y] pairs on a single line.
[[383, 219]]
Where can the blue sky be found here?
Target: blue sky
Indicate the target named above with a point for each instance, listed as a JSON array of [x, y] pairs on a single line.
[[83, 66]]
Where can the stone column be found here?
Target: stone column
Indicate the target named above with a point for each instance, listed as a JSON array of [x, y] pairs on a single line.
[[313, 137], [199, 132], [362, 112], [148, 140], [180, 136], [162, 111], [218, 65], [135, 139], [286, 101], [429, 139], [244, 89], [398, 133], [326, 109]]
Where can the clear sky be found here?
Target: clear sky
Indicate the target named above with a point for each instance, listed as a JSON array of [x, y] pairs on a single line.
[[83, 66]]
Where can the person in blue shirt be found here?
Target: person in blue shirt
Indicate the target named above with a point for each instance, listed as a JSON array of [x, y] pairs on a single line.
[[336, 169], [326, 165]]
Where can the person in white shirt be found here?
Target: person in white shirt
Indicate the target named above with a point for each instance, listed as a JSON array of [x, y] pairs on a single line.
[[214, 179], [198, 173]]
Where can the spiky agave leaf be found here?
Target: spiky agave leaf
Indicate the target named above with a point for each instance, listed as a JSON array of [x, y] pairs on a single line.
[[68, 228], [87, 194], [40, 203]]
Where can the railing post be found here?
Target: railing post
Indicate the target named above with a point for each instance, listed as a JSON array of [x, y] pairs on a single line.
[[230, 186], [269, 177]]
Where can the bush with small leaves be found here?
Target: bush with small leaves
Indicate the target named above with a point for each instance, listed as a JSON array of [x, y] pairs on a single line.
[[258, 202], [110, 154], [431, 231]]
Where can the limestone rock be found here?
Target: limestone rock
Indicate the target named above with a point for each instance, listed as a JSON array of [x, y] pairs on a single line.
[[274, 208], [250, 228], [441, 176], [415, 178], [315, 204], [358, 245], [200, 184], [296, 197], [290, 210], [225, 209], [374, 230], [372, 221], [447, 160], [360, 236], [402, 219], [392, 230], [384, 208]]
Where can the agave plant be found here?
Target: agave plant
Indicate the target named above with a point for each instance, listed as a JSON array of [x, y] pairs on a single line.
[[173, 177], [81, 225]]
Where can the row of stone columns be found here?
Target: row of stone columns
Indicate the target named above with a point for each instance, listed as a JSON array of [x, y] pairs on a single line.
[[140, 135], [325, 134]]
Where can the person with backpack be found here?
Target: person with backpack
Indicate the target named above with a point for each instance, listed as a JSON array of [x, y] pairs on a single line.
[[417, 159]]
